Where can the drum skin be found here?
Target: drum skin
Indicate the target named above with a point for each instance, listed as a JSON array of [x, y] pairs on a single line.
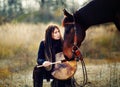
[[65, 70]]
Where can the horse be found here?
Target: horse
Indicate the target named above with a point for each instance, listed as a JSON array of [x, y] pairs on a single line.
[[94, 13]]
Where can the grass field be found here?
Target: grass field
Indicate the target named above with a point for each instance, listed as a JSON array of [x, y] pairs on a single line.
[[18, 52]]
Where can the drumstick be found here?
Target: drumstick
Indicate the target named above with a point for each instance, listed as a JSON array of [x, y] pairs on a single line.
[[50, 64]]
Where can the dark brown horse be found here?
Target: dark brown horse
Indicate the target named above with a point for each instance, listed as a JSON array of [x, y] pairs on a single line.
[[95, 12]]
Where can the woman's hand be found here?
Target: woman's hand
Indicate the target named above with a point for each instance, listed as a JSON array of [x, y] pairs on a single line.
[[46, 63]]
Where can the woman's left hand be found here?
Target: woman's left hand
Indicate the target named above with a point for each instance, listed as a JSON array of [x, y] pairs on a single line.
[[46, 63]]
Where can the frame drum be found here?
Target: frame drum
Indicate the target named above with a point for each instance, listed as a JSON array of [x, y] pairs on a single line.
[[64, 70]]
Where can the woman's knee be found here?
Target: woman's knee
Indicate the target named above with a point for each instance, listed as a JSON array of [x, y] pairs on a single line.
[[38, 72]]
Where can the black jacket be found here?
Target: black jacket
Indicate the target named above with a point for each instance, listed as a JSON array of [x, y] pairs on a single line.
[[56, 48]]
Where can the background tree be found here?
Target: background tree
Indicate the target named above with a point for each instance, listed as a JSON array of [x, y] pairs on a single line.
[[10, 9], [48, 10]]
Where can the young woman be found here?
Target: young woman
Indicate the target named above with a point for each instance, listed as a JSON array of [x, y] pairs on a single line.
[[46, 54]]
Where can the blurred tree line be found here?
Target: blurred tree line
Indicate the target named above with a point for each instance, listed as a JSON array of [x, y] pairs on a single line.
[[48, 10]]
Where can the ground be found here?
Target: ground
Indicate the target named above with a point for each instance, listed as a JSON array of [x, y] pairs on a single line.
[[104, 75]]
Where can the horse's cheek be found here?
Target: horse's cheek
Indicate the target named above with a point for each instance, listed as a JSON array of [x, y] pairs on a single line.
[[68, 52]]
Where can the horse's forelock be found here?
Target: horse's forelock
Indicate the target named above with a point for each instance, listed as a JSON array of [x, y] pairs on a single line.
[[67, 20]]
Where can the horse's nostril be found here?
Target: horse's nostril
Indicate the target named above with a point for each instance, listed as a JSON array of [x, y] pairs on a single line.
[[66, 57]]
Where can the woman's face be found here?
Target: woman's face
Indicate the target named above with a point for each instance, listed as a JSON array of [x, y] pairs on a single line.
[[56, 34]]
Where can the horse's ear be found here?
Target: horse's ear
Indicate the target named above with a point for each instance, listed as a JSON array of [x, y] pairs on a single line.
[[66, 13]]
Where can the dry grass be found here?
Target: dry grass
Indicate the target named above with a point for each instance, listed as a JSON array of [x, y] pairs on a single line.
[[103, 75], [101, 42], [18, 50], [19, 46], [14, 37]]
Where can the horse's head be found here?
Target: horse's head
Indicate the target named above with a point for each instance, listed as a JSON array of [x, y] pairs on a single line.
[[71, 27]]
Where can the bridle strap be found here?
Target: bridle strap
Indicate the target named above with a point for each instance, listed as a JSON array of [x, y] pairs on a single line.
[[69, 23], [63, 24], [75, 36], [79, 56]]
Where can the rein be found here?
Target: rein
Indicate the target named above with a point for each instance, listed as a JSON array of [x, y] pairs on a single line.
[[78, 57], [77, 53]]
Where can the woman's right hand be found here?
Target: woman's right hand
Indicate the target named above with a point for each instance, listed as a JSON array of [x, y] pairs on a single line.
[[46, 63]]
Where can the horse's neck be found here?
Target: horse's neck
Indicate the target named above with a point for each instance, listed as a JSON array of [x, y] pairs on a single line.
[[97, 12]]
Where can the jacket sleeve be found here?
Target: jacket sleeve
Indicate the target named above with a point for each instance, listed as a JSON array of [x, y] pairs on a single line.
[[41, 55]]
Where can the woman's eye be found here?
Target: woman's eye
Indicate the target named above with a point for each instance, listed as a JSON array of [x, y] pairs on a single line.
[[55, 32]]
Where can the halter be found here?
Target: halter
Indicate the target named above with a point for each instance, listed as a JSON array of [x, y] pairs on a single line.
[[77, 55], [75, 49]]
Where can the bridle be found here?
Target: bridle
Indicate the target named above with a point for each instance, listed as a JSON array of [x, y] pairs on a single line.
[[76, 54], [75, 49]]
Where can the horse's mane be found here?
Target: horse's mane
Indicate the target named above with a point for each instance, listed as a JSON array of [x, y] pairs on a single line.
[[95, 12]]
